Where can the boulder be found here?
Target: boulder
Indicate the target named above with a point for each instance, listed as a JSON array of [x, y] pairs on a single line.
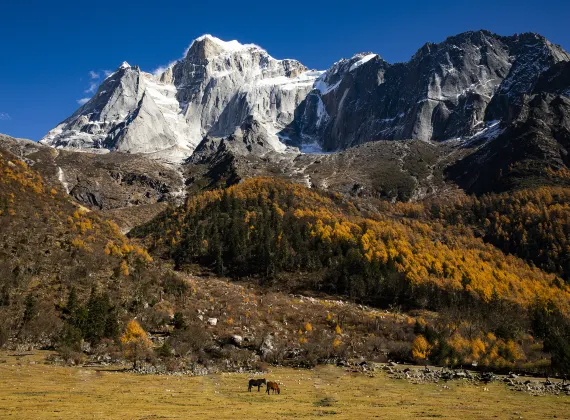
[[267, 345], [236, 340]]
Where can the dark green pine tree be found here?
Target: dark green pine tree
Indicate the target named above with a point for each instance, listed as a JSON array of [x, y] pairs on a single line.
[[72, 303], [30, 308], [178, 321], [5, 296], [97, 310], [112, 324]]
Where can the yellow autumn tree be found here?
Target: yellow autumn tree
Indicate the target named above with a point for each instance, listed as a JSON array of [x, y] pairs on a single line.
[[124, 268], [136, 343], [421, 348]]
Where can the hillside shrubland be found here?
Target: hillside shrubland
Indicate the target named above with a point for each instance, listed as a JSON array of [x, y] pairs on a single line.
[[53, 251]]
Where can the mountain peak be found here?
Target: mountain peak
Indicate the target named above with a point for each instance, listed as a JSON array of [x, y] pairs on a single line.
[[208, 45]]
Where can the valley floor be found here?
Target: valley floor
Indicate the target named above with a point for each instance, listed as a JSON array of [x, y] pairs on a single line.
[[31, 389]]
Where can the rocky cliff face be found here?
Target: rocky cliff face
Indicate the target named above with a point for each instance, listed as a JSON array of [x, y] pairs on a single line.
[[454, 89], [446, 91], [532, 148], [222, 83], [211, 91], [123, 116]]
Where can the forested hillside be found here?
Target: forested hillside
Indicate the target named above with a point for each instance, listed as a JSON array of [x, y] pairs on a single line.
[[69, 277], [533, 224], [296, 238], [266, 227]]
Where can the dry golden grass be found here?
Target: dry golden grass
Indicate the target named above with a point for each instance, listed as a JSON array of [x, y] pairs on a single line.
[[30, 389]]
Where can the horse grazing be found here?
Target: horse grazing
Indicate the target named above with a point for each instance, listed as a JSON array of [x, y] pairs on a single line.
[[274, 386], [257, 383]]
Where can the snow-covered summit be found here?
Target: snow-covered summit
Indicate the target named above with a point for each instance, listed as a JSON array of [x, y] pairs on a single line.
[[445, 91], [226, 46], [210, 91]]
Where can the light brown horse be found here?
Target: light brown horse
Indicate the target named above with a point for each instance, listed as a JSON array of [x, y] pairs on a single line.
[[274, 386]]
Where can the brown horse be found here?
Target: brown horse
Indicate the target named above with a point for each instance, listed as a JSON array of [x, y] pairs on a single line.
[[274, 386], [255, 382]]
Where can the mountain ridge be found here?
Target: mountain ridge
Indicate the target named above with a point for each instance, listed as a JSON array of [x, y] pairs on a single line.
[[453, 89]]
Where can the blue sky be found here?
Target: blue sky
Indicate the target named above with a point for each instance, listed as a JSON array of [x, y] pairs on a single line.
[[50, 48]]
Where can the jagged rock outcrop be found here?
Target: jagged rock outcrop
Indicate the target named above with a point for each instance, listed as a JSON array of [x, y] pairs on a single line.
[[122, 116], [248, 151], [532, 150], [449, 90], [251, 137]]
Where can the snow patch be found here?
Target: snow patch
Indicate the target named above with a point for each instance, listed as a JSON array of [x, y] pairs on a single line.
[[491, 131], [322, 115], [288, 83], [313, 148], [61, 177], [161, 69], [228, 46], [362, 61]]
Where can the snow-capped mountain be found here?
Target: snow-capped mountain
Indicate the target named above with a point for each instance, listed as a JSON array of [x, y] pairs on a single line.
[[456, 89], [446, 91], [210, 91]]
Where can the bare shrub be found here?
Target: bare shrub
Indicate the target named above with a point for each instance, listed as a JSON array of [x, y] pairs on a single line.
[[399, 350], [155, 319], [42, 328], [108, 348], [70, 355], [193, 339], [4, 335], [241, 357], [321, 346], [262, 367]]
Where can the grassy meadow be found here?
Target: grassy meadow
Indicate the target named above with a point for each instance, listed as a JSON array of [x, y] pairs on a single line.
[[31, 389]]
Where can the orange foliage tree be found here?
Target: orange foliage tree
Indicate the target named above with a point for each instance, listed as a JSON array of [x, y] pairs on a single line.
[[136, 343]]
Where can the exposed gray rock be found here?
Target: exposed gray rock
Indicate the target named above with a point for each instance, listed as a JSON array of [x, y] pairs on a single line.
[[536, 141], [237, 340], [446, 91], [267, 346]]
